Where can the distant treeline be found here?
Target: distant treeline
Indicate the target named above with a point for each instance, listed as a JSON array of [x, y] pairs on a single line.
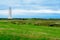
[[29, 19]]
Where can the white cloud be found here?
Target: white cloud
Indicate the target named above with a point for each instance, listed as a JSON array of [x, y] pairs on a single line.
[[32, 4], [32, 1], [4, 12], [25, 12], [36, 11], [9, 2]]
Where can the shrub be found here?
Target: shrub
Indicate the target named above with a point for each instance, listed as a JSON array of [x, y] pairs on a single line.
[[55, 25], [37, 23]]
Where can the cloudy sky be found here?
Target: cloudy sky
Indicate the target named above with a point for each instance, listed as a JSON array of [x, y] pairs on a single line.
[[30, 8]]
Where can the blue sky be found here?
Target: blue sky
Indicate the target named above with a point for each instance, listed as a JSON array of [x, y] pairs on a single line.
[[30, 8]]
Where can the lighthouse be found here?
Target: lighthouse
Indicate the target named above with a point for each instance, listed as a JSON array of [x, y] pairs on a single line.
[[10, 13]]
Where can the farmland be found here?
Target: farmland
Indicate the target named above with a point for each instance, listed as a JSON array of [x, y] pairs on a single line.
[[29, 29]]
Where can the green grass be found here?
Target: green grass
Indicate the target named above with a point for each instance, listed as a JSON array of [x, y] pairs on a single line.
[[9, 31]]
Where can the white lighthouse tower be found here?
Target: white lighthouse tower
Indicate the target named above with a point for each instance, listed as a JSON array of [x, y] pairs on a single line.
[[10, 13]]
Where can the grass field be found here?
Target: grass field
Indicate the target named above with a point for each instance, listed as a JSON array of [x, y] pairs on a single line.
[[10, 31]]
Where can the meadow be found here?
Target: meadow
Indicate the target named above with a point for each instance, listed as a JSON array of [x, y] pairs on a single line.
[[29, 29]]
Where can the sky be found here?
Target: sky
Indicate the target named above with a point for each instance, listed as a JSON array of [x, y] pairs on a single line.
[[30, 8]]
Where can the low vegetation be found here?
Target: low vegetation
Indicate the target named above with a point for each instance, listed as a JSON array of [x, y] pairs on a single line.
[[29, 29]]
